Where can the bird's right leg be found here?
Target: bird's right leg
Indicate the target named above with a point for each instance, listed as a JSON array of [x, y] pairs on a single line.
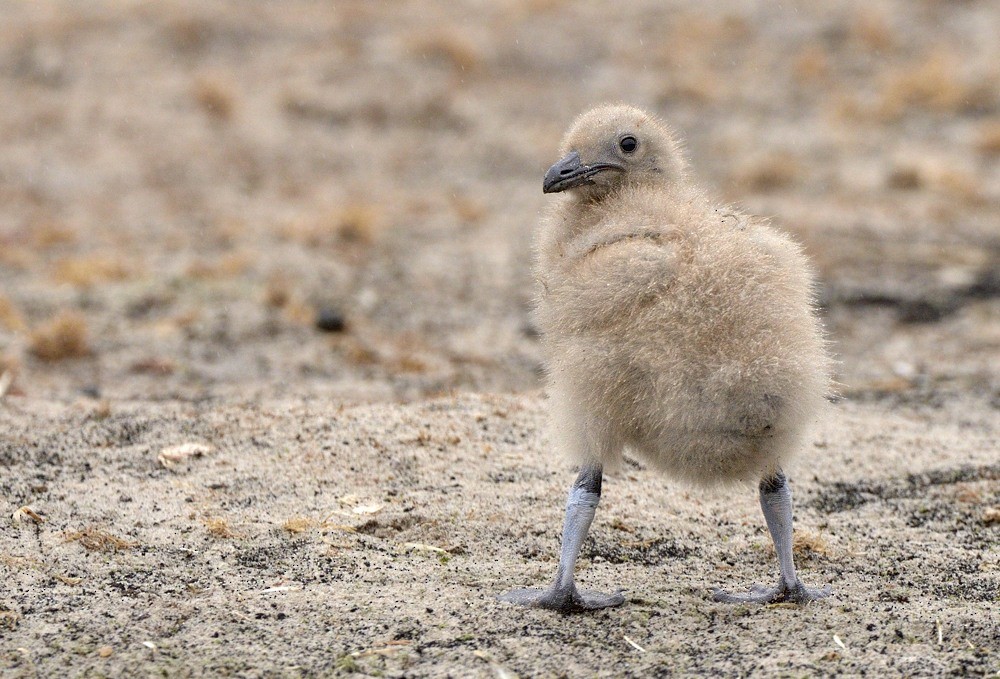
[[563, 595]]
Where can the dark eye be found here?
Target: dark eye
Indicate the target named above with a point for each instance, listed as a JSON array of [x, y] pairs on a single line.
[[629, 144]]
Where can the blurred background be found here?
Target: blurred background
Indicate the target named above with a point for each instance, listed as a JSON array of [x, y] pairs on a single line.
[[237, 199]]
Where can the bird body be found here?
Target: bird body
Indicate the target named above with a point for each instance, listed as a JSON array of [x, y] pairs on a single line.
[[675, 327], [680, 329]]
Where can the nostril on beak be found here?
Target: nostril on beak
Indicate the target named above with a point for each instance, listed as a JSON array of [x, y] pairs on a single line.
[[565, 171]]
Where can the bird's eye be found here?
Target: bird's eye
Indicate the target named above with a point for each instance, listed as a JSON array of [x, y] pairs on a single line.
[[629, 144]]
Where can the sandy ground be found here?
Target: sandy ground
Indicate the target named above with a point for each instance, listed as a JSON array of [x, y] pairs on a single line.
[[186, 187], [374, 539]]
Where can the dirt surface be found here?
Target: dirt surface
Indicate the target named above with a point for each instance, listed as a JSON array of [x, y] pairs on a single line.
[[297, 235]]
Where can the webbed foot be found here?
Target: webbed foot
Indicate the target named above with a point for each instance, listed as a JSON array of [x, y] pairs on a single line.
[[780, 593], [566, 600]]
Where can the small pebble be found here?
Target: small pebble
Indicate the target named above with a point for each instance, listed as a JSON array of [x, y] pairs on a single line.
[[330, 320]]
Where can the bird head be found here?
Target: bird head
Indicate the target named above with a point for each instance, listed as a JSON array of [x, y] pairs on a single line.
[[610, 147]]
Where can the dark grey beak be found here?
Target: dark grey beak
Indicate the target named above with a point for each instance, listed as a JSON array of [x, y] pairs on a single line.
[[570, 172], [565, 174]]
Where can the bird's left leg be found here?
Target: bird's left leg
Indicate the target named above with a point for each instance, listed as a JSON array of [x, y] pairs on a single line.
[[776, 501], [563, 595]]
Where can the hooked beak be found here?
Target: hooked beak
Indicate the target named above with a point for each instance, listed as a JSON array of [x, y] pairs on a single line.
[[570, 172]]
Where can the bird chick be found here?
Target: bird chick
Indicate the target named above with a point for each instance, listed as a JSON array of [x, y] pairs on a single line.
[[674, 327]]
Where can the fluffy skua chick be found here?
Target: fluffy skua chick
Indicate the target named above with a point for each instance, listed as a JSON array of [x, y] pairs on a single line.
[[674, 327]]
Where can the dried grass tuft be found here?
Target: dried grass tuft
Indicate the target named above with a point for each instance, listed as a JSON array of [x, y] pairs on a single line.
[[19, 258], [450, 47], [353, 223], [467, 210], [94, 539], [47, 233], [278, 291], [933, 84], [10, 316], [930, 173], [811, 65], [298, 524], [770, 173], [215, 96], [806, 544], [989, 138], [62, 337], [89, 270], [358, 223], [218, 527], [871, 29], [230, 265]]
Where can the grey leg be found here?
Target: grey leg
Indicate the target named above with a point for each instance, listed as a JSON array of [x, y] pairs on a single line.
[[776, 501], [563, 595]]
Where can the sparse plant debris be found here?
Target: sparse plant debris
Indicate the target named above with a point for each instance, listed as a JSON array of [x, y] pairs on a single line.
[[298, 524], [95, 539], [219, 527], [101, 410], [770, 173], [934, 83], [989, 138], [153, 366], [278, 291], [215, 96], [806, 543], [141, 139], [27, 512], [88, 270], [62, 337], [453, 48], [222, 267], [172, 455], [353, 223], [10, 316]]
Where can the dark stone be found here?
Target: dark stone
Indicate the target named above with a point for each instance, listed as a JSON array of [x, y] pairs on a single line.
[[330, 320]]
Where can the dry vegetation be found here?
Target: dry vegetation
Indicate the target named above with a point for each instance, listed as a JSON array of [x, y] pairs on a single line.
[[96, 539], [10, 316], [89, 270], [62, 337], [218, 527], [215, 96], [298, 524], [208, 207]]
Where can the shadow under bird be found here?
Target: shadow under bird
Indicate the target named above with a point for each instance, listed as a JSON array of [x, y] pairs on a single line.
[[674, 327]]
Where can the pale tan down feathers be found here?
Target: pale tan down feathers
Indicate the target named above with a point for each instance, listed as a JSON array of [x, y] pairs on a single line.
[[673, 325]]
